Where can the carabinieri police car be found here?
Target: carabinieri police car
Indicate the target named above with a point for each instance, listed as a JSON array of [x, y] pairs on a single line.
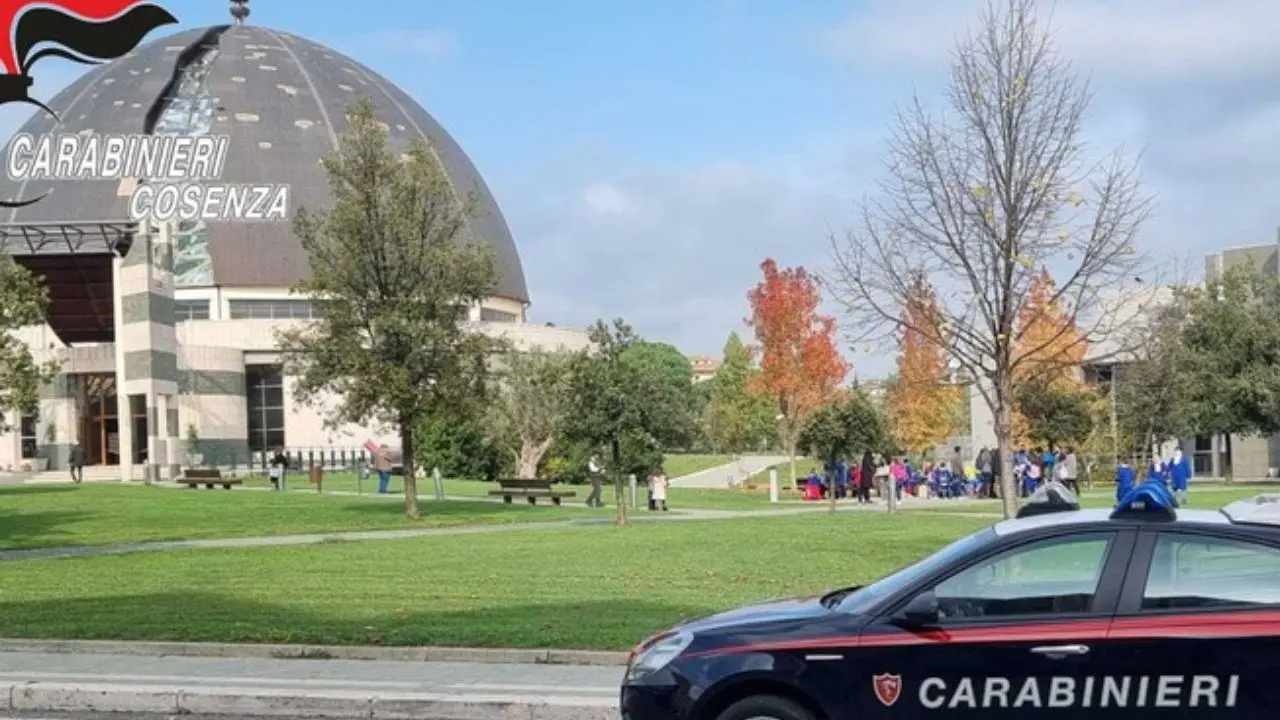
[[1120, 613]]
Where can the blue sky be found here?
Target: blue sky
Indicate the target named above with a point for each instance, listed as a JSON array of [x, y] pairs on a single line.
[[649, 155]]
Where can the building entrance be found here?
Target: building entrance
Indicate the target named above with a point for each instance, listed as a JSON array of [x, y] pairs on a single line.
[[99, 419]]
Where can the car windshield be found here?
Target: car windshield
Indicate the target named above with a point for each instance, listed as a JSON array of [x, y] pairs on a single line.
[[864, 598]]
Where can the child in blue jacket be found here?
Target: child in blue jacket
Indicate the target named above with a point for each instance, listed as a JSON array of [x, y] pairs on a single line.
[[1124, 480]]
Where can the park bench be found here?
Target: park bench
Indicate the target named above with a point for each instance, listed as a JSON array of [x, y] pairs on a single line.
[[208, 477], [529, 488]]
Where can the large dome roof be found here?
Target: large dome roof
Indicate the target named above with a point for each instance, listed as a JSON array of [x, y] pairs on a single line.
[[282, 100]]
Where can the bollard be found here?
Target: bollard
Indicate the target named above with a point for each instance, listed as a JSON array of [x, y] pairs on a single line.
[[773, 485], [892, 484], [632, 479]]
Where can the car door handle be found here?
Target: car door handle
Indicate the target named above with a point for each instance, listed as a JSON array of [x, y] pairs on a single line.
[[1060, 651]]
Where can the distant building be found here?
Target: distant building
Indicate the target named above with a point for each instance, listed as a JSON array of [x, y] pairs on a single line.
[[704, 367], [1212, 456]]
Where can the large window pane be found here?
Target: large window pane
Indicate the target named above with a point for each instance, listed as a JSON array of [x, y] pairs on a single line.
[[1188, 571], [1054, 576]]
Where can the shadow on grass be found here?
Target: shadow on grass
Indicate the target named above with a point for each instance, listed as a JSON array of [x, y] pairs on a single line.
[[205, 617], [20, 490], [19, 530]]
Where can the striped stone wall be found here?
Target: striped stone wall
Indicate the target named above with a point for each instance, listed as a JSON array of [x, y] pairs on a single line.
[[147, 348], [212, 401]]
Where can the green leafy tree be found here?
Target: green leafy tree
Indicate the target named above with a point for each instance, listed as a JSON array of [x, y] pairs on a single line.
[[1057, 413], [529, 405], [23, 300], [846, 428], [394, 273], [1233, 338], [1155, 395], [462, 447], [738, 419], [621, 399]]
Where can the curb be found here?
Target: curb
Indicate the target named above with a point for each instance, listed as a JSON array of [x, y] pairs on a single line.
[[240, 702], [318, 652]]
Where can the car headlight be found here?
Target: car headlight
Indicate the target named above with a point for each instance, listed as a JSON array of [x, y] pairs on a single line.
[[657, 653]]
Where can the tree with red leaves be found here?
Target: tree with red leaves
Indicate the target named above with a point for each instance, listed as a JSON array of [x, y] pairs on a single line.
[[800, 366]]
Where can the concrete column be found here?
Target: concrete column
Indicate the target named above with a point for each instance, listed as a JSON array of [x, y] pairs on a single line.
[[11, 442], [1215, 456], [147, 343]]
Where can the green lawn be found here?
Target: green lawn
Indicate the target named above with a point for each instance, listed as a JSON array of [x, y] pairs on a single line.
[[586, 587], [64, 515], [678, 497]]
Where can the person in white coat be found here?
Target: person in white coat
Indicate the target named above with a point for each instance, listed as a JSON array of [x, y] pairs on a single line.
[[658, 488]]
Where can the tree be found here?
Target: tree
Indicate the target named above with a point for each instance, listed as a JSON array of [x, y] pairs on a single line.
[[980, 198], [394, 274], [800, 366], [620, 397], [529, 406], [1155, 390], [1052, 349], [738, 419], [1057, 413], [1233, 340], [923, 396], [843, 428], [23, 300]]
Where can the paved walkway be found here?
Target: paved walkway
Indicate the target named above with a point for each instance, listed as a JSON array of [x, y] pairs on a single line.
[[723, 476]]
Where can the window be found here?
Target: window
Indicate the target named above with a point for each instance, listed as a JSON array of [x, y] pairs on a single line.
[[1201, 572], [191, 310], [264, 386], [491, 315], [290, 309], [1049, 577], [30, 444], [865, 598]]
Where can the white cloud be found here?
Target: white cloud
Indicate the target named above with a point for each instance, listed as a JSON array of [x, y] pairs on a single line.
[[1142, 40]]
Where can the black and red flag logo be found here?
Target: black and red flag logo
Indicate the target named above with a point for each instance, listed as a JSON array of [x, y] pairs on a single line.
[[83, 31]]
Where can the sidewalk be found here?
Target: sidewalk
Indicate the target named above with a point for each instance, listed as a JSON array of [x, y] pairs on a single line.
[[255, 687]]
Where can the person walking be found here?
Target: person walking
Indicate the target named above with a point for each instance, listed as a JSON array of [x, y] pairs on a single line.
[[658, 486], [278, 465], [1180, 475], [1070, 471], [867, 479], [76, 463], [595, 470], [382, 465]]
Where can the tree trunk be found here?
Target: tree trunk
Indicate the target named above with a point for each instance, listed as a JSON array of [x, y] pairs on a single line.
[[531, 452], [791, 453], [831, 484], [1003, 393], [620, 515], [1228, 467], [410, 478]]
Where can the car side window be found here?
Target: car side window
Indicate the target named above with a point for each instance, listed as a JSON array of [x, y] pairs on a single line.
[[1054, 576], [1190, 571]]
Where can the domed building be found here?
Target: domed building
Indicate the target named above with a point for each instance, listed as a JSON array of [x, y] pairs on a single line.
[[155, 353]]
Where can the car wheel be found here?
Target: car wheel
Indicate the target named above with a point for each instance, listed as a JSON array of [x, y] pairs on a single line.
[[765, 707]]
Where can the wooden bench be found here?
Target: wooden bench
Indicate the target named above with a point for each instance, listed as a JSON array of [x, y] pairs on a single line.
[[208, 477], [529, 488]]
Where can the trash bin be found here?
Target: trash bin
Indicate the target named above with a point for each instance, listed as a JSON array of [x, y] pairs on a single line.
[[317, 475]]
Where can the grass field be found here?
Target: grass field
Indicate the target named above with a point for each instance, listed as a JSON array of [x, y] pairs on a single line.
[[596, 587], [63, 515], [677, 497]]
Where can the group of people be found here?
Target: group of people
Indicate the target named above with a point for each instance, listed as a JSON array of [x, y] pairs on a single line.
[[1174, 472], [951, 478]]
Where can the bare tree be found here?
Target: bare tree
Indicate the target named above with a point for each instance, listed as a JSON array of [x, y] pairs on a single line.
[[980, 199]]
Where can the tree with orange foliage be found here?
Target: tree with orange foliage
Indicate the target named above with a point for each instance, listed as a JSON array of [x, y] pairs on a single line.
[[800, 365], [923, 400], [1048, 346]]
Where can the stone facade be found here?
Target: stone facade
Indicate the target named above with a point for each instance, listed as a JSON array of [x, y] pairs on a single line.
[[193, 374]]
